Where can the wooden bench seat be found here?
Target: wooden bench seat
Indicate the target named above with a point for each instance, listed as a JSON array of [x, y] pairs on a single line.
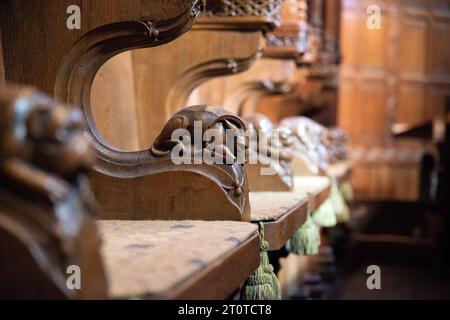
[[173, 260], [317, 187], [282, 213]]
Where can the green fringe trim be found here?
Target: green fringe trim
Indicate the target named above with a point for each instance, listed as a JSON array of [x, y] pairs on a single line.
[[306, 241], [339, 204], [263, 284], [347, 191]]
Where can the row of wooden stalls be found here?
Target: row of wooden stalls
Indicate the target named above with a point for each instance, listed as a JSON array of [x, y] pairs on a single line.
[[88, 183]]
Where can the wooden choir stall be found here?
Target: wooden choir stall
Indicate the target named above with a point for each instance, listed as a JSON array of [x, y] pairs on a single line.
[[92, 116]]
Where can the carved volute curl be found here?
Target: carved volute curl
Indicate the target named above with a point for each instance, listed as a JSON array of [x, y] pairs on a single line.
[[274, 153], [46, 207], [217, 121], [168, 183], [127, 185]]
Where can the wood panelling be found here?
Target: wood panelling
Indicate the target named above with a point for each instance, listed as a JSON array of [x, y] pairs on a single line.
[[411, 106], [2, 67], [395, 76], [413, 46], [363, 79], [228, 91], [32, 21], [441, 8]]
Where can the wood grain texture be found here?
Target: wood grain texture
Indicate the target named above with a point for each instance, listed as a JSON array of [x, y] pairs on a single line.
[[317, 188], [113, 94], [26, 38], [46, 208], [389, 172], [2, 66], [168, 195], [72, 65], [266, 182], [228, 46], [282, 213], [172, 260], [180, 66]]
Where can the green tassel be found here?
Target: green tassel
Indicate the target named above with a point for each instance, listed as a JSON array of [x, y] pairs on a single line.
[[306, 240], [347, 191], [325, 216], [263, 284], [339, 204]]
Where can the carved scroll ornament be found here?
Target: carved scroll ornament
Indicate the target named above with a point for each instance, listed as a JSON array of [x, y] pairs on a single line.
[[209, 118], [46, 207], [252, 13], [145, 184]]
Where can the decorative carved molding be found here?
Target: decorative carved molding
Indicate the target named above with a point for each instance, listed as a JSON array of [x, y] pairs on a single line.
[[231, 176], [126, 183], [199, 74], [290, 39], [46, 207], [79, 66], [254, 15], [247, 95]]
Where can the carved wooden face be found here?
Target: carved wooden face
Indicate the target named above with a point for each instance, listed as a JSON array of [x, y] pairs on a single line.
[[210, 117], [37, 129], [58, 139]]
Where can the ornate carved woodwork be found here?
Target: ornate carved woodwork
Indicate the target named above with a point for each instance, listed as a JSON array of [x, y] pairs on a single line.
[[273, 171], [314, 83], [217, 45], [249, 13], [290, 39], [128, 185], [397, 77], [46, 206], [315, 32], [186, 189], [315, 147], [265, 78]]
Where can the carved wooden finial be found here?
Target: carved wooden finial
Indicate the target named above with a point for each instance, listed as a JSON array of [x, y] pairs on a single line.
[[46, 208]]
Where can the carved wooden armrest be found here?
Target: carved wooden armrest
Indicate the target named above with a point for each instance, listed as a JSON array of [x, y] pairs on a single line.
[[154, 184], [316, 147], [147, 185], [270, 167], [164, 77], [242, 93], [46, 208]]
